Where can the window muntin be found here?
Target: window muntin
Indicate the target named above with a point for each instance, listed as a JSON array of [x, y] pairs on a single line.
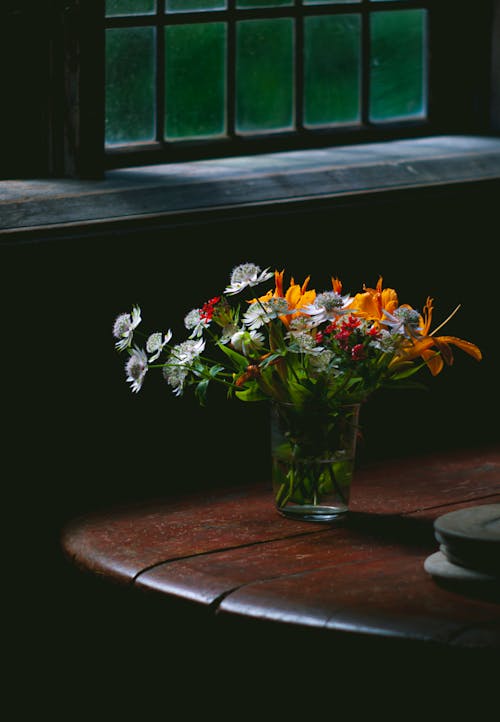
[[224, 74]]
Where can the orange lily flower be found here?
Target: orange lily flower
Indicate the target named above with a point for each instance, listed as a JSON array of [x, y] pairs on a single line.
[[371, 303], [423, 345], [297, 296], [337, 285]]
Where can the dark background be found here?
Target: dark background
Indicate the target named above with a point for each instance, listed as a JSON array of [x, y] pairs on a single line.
[[82, 439], [77, 439]]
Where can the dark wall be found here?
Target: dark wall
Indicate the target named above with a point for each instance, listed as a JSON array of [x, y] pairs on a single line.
[[82, 438]]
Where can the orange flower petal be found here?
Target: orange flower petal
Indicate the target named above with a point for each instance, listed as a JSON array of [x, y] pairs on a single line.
[[434, 362], [337, 285], [293, 295], [365, 305], [466, 346], [278, 280], [445, 350], [389, 300]]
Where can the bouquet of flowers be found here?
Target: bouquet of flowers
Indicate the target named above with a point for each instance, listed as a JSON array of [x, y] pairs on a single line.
[[316, 356], [292, 344]]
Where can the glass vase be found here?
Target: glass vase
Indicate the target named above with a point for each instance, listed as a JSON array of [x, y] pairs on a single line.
[[313, 451]]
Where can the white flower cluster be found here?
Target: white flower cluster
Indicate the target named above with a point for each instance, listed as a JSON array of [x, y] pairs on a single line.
[[261, 312], [137, 364], [136, 368], [194, 322], [247, 342], [156, 343], [123, 328], [245, 275], [304, 342], [404, 321], [179, 363], [328, 306]]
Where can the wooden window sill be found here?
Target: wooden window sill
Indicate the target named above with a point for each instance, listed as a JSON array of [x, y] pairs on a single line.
[[185, 193]]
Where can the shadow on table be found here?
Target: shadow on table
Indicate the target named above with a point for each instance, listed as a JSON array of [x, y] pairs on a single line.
[[398, 528], [418, 533]]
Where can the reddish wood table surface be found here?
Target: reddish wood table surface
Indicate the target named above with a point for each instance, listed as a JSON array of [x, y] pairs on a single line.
[[232, 552]]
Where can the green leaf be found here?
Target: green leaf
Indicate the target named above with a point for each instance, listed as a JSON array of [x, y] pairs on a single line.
[[298, 392], [252, 393], [406, 373], [269, 359], [201, 391], [241, 362], [352, 381]]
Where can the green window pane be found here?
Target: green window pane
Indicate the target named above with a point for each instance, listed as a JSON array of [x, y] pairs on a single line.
[[397, 66], [332, 52], [177, 6], [262, 3], [130, 94], [129, 7], [195, 72], [264, 75]]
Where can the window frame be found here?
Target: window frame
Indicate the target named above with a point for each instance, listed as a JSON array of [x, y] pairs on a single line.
[[471, 108], [63, 66], [301, 135]]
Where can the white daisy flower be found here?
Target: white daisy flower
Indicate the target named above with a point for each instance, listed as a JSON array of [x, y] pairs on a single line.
[[136, 368], [327, 306], [262, 312], [123, 327], [404, 321], [156, 343], [194, 322], [247, 341], [245, 275]]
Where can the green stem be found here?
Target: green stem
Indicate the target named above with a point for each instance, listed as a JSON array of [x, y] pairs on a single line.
[[338, 490]]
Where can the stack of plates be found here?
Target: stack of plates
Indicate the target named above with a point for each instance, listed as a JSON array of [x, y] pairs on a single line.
[[469, 545]]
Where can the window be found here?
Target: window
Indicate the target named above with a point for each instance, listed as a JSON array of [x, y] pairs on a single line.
[[96, 84], [185, 77]]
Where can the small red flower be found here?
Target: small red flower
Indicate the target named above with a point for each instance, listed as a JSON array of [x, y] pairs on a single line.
[[352, 322], [207, 310], [343, 338], [358, 352]]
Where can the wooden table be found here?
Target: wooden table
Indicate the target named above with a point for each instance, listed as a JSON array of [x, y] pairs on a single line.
[[231, 553]]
